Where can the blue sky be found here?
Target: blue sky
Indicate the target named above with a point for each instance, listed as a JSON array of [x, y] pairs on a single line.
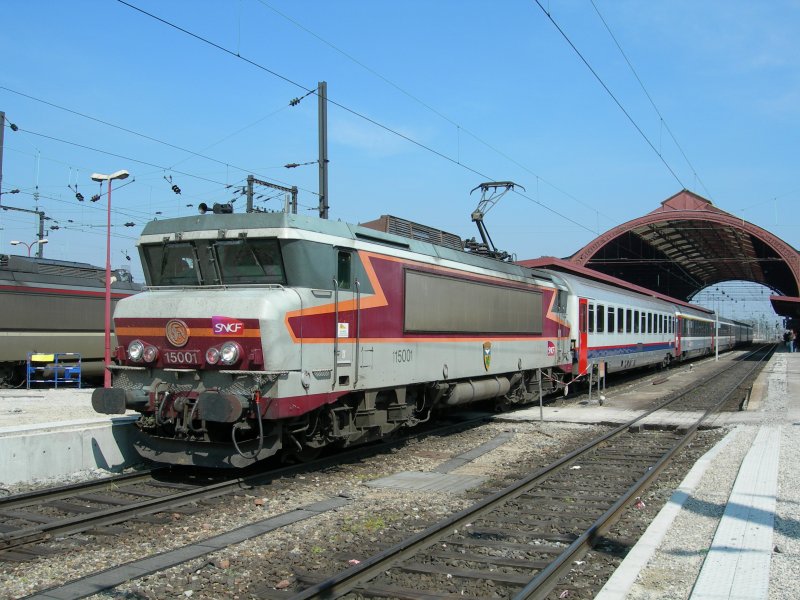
[[486, 91]]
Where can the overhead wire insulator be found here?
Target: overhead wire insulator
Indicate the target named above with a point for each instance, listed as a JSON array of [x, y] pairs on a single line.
[[95, 198], [79, 196], [176, 189]]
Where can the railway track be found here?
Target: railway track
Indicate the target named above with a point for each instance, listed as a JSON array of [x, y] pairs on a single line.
[[99, 507], [521, 541], [96, 507]]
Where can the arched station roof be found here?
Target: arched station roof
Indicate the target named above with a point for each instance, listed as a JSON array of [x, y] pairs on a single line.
[[688, 244]]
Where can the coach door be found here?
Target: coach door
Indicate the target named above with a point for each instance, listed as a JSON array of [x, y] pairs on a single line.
[[583, 337], [678, 336]]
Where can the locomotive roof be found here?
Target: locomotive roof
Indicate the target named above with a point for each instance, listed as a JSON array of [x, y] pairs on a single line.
[[236, 222]]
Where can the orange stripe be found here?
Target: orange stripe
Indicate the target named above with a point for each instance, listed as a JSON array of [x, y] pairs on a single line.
[[376, 300], [432, 340], [194, 332]]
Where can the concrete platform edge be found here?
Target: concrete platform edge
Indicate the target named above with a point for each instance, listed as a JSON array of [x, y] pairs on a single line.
[[34, 454]]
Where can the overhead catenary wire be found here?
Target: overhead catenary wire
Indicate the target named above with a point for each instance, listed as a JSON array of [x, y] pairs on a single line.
[[148, 137], [432, 109], [608, 91], [354, 112], [649, 97]]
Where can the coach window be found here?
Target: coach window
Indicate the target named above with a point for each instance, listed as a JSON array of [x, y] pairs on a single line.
[[601, 318], [591, 317], [610, 328], [628, 319], [636, 321], [343, 271], [649, 322], [620, 321], [660, 319]]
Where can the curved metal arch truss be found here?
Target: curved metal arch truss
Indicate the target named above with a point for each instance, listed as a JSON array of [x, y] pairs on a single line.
[[687, 244]]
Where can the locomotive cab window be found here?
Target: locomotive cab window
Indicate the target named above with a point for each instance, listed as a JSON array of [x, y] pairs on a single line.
[[172, 264], [249, 261], [343, 269]]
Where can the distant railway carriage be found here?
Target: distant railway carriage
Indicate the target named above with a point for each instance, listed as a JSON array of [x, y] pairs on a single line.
[[268, 332], [53, 306]]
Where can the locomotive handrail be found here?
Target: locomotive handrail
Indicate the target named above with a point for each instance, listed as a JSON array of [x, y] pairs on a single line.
[[358, 328], [335, 333]]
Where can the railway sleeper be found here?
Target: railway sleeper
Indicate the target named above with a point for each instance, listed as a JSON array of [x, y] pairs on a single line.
[[496, 576], [499, 561]]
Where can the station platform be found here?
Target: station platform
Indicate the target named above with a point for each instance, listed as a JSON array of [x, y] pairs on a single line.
[[52, 433]]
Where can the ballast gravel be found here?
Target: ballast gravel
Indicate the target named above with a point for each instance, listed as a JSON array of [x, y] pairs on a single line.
[[374, 519]]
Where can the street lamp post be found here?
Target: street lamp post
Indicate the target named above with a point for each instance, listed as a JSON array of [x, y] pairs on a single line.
[[29, 246], [107, 320]]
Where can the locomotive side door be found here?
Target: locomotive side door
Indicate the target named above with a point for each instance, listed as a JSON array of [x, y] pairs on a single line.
[[583, 337], [345, 319]]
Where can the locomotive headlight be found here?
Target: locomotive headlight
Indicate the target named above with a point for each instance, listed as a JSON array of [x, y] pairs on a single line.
[[150, 354], [229, 353], [135, 350], [212, 356]]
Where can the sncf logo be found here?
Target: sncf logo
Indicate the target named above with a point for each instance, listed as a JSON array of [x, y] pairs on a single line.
[[226, 326]]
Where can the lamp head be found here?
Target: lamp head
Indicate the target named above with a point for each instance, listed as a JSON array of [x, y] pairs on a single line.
[[118, 175]]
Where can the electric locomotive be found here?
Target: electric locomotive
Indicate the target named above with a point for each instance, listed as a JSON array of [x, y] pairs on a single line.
[[262, 333]]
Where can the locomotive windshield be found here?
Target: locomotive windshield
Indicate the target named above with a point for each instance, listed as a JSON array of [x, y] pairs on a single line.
[[215, 262]]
